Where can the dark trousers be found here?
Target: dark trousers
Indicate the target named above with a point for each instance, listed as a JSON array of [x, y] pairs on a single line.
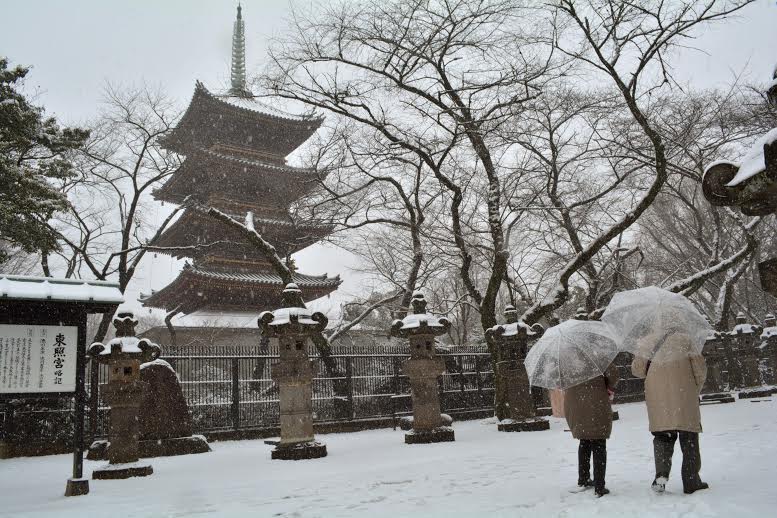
[[587, 448], [663, 448]]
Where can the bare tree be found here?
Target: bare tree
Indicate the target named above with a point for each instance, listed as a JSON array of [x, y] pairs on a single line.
[[629, 44], [107, 232], [432, 79], [377, 202]]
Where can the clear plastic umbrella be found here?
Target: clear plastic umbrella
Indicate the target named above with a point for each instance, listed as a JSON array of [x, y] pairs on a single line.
[[646, 317], [572, 353]]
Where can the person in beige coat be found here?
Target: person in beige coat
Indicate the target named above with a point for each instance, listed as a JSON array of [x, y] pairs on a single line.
[[674, 377], [589, 416]]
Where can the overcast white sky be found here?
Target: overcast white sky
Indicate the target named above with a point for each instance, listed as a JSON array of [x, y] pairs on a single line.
[[75, 46]]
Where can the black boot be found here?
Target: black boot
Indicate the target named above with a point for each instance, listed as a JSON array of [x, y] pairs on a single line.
[[689, 443], [601, 491], [692, 489], [600, 466], [584, 464], [663, 448]]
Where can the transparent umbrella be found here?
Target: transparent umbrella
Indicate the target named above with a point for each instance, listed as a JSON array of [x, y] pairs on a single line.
[[646, 317], [572, 353]]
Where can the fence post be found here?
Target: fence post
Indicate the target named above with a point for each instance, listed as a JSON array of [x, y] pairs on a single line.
[[395, 361], [235, 393], [94, 397], [349, 385], [441, 390], [478, 380], [462, 380]]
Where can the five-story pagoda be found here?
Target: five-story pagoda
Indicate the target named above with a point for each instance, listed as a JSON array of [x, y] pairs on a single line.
[[235, 151]]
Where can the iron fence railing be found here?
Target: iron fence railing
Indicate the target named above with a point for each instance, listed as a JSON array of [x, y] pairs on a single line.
[[233, 392], [230, 388]]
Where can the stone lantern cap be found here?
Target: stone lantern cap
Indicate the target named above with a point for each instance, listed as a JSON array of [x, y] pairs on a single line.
[[420, 322], [292, 319], [126, 345], [515, 329], [743, 328]]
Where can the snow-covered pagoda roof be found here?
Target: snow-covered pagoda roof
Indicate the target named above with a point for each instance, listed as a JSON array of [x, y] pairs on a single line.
[[205, 172], [217, 238], [24, 287], [202, 287], [238, 122]]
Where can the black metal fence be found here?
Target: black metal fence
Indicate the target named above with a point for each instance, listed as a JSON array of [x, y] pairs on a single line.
[[231, 388]]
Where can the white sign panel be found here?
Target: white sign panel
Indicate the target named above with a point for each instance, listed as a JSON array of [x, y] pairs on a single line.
[[37, 358]]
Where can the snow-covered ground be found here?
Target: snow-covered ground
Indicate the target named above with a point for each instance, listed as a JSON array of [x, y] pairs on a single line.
[[373, 474]]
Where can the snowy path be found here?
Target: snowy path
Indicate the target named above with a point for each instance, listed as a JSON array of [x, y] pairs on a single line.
[[373, 474]]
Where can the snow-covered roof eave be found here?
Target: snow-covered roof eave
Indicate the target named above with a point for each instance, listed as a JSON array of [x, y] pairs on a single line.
[[26, 287]]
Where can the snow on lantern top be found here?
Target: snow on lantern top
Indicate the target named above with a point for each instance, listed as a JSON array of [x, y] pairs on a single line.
[[420, 322], [126, 345], [742, 327], [293, 318]]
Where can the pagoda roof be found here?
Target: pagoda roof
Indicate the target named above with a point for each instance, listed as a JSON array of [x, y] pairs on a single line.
[[199, 288], [241, 122], [193, 228], [205, 172]]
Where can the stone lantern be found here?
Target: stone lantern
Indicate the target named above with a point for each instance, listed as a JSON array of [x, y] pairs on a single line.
[[423, 368], [291, 328], [743, 344], [514, 405], [768, 348], [750, 185], [124, 393]]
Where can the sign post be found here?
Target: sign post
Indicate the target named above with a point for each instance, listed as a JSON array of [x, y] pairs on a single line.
[[43, 345]]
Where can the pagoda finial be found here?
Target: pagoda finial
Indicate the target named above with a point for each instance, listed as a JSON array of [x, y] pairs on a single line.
[[239, 57]]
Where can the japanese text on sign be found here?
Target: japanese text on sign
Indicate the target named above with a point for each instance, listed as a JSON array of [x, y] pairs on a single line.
[[37, 358]]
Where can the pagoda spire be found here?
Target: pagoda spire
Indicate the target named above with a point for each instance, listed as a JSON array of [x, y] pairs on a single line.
[[238, 87]]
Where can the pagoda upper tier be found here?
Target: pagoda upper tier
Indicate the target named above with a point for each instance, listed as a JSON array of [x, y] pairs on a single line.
[[243, 126], [214, 237], [206, 174]]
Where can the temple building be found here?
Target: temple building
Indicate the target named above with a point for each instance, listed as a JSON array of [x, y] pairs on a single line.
[[235, 149]]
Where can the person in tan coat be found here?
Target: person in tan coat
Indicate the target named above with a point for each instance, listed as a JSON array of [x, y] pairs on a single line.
[[589, 416], [674, 377]]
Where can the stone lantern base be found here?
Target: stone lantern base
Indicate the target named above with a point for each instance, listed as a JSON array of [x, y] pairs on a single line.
[[77, 487], [759, 392], [439, 434], [121, 471], [301, 451], [719, 397], [534, 424], [155, 448]]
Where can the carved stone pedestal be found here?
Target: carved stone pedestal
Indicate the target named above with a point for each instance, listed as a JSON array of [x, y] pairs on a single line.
[[123, 453], [294, 377], [427, 421]]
